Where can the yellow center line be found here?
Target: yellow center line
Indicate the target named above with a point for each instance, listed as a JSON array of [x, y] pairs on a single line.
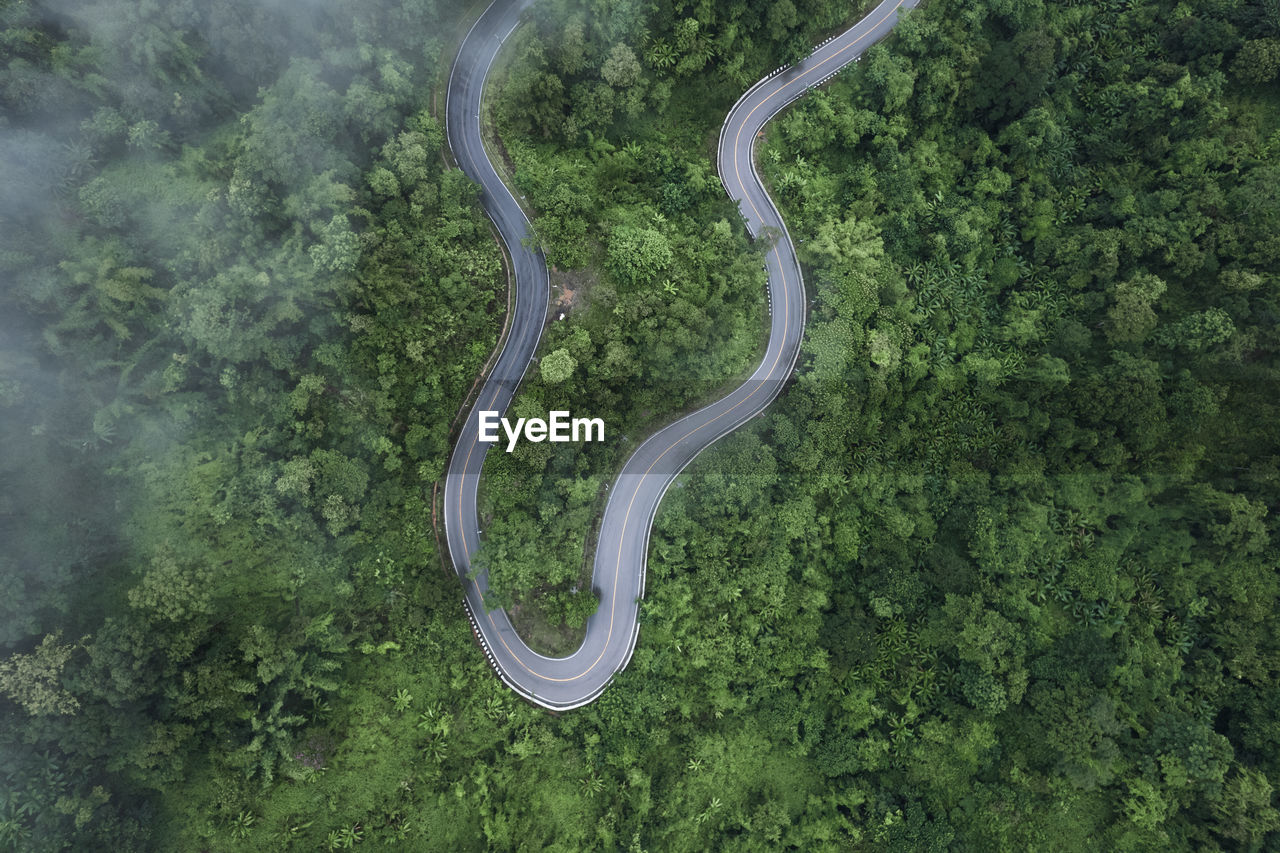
[[617, 569]]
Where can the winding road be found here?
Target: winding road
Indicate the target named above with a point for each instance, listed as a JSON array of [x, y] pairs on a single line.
[[619, 570]]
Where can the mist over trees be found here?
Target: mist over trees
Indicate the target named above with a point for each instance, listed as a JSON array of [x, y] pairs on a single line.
[[233, 266], [997, 572]]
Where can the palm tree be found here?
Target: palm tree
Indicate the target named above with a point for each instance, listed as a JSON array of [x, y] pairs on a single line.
[[660, 55]]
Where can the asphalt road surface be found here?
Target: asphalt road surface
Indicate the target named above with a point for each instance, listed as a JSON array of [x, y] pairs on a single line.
[[619, 569]]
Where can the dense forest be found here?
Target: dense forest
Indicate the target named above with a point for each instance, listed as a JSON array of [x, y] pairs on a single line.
[[999, 571], [242, 300]]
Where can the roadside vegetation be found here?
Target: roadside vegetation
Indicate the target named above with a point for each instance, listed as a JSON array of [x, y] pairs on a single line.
[[998, 572], [608, 119]]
